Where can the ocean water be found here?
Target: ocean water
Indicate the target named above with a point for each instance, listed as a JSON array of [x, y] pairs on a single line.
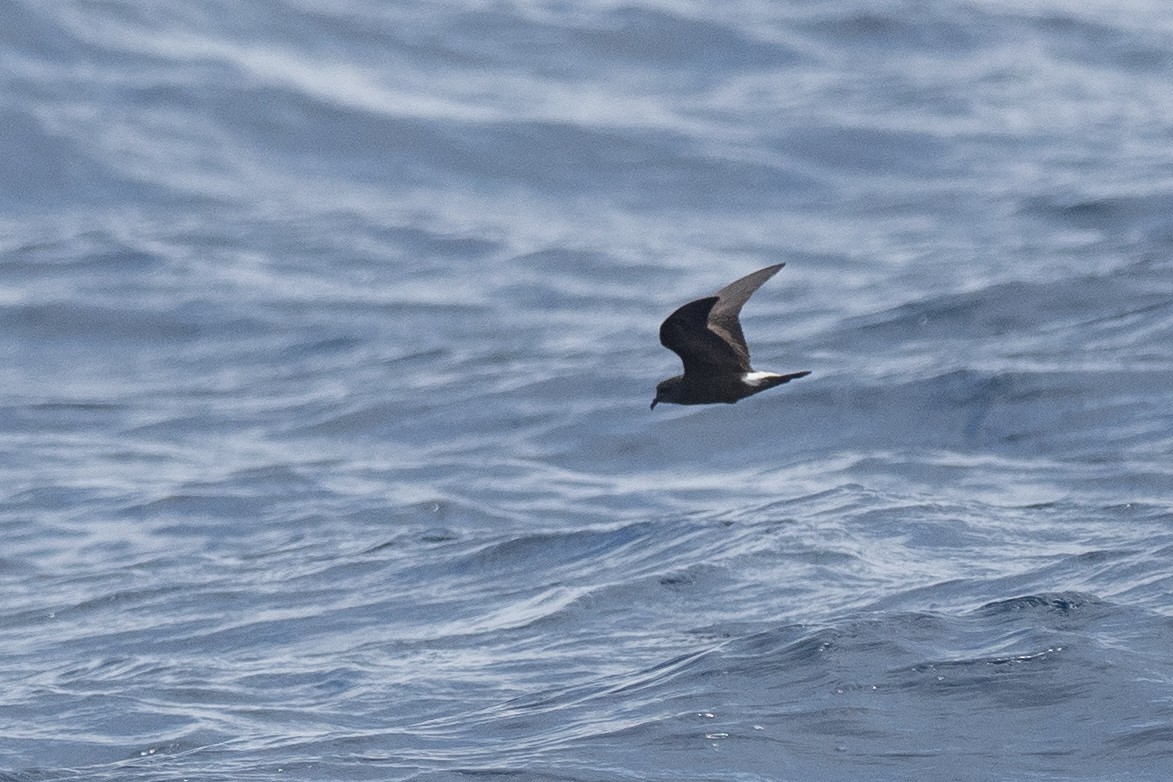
[[328, 332]]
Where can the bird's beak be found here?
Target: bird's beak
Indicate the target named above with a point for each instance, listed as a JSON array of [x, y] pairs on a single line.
[[653, 407]]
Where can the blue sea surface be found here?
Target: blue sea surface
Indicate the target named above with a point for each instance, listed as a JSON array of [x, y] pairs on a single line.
[[328, 332]]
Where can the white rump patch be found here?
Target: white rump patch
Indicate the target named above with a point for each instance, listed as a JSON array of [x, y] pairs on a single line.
[[756, 378]]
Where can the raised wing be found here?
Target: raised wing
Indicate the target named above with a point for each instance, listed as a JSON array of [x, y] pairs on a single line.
[[686, 333], [723, 319]]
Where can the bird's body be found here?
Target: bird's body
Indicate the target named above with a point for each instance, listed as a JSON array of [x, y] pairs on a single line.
[[707, 336]]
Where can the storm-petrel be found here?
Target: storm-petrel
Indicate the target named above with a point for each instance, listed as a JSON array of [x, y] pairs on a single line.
[[707, 336]]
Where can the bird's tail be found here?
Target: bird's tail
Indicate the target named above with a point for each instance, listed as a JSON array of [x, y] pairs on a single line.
[[777, 380]]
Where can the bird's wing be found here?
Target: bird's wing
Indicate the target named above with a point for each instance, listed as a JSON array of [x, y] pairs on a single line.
[[686, 333], [723, 317]]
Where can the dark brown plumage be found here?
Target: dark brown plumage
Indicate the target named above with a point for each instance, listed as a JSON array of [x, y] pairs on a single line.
[[707, 336]]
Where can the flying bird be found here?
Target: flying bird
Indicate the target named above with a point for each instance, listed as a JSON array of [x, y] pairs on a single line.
[[707, 336]]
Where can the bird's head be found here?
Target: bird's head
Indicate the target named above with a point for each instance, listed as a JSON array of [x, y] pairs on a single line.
[[667, 391]]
